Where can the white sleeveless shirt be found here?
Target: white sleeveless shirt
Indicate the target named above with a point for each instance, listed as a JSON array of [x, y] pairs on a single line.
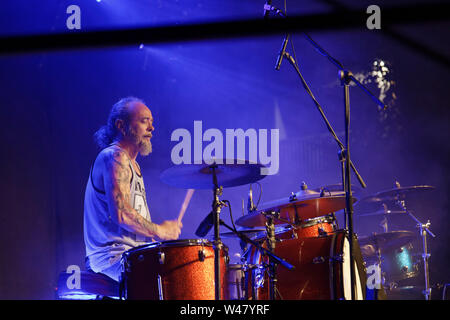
[[104, 239]]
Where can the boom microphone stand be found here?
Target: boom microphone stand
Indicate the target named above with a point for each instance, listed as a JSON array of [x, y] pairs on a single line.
[[346, 77]]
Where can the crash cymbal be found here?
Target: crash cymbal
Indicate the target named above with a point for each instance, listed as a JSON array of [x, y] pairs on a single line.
[[200, 176], [388, 240], [382, 213], [306, 204], [398, 193]]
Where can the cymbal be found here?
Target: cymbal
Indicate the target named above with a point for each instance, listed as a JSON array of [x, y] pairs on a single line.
[[336, 188], [306, 204], [200, 176], [382, 213], [395, 194], [388, 240]]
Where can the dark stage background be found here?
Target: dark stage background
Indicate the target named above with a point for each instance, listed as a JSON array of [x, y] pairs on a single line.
[[53, 102]]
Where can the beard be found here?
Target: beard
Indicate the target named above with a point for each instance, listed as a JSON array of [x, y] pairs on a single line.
[[145, 147], [144, 144]]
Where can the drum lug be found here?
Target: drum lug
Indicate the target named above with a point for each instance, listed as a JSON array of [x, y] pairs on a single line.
[[318, 260], [338, 258], [201, 255], [161, 257], [322, 232], [160, 288]]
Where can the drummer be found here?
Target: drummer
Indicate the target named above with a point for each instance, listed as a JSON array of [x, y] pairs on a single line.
[[116, 215]]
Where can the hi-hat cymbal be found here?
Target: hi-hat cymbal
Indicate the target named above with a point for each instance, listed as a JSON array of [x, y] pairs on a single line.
[[200, 176], [399, 193], [387, 240], [306, 204]]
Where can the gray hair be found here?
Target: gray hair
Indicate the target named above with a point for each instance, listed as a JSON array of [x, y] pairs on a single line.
[[108, 133]]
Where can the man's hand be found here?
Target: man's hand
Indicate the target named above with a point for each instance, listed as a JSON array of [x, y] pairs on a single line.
[[169, 230]]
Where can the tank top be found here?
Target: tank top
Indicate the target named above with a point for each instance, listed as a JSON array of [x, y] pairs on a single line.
[[104, 239]]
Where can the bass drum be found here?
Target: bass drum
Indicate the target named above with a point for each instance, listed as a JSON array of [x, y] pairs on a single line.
[[172, 270], [322, 269]]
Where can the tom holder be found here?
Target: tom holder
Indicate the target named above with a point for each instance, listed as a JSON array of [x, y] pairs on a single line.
[[274, 260]]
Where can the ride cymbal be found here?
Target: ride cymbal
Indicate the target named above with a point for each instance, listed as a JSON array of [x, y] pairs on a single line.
[[200, 176]]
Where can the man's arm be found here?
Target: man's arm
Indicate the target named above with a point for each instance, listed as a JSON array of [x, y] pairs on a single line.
[[117, 178]]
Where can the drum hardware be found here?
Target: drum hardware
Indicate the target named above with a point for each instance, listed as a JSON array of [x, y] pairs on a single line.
[[160, 288], [201, 255], [294, 209], [335, 258], [271, 244], [318, 260], [347, 78], [274, 260], [423, 228], [161, 257], [198, 176], [400, 259]]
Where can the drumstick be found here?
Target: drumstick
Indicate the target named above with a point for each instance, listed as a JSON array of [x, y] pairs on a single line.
[[186, 201]]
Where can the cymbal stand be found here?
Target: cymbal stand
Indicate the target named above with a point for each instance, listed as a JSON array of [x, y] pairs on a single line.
[[271, 242], [379, 260], [346, 77], [217, 206], [424, 228], [272, 257], [384, 222]]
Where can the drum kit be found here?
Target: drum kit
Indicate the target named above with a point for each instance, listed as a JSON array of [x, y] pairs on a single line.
[[292, 248]]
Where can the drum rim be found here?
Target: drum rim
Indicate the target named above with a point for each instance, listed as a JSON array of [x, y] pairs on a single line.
[[317, 220], [170, 244]]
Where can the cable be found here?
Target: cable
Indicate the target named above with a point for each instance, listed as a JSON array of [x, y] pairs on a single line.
[[231, 214]]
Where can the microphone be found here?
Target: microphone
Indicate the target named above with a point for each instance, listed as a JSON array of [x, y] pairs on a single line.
[[250, 204], [205, 225], [267, 9], [282, 52]]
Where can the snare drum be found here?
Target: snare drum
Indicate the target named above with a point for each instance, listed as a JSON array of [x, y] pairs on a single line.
[[322, 269], [172, 270]]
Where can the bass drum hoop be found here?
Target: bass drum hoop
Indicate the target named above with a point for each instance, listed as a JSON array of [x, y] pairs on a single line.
[[340, 268]]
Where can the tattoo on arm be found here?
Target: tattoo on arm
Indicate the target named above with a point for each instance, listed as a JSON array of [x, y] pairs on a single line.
[[118, 165]]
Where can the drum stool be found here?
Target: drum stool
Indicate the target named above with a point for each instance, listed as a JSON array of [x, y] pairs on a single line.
[[93, 286]]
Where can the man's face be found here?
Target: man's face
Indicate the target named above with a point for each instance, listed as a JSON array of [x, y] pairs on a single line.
[[140, 127]]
